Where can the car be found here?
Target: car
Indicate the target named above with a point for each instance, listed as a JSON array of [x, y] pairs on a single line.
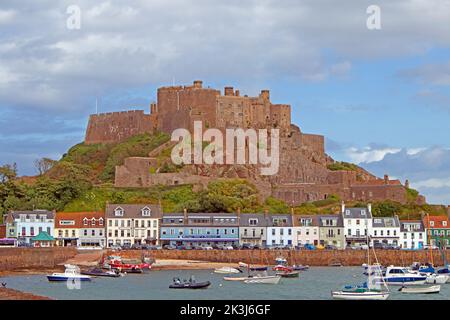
[[207, 248], [379, 245], [330, 247], [115, 247], [309, 246], [247, 246], [169, 247], [227, 248], [136, 246], [126, 246], [258, 247]]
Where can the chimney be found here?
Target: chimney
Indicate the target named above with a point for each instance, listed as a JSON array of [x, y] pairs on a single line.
[[265, 95], [342, 206], [369, 208], [185, 215], [229, 91], [153, 108], [239, 211], [386, 179], [198, 84]]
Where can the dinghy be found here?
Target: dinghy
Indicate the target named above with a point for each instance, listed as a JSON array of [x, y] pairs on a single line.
[[421, 290], [189, 284], [235, 278], [263, 280], [227, 270]]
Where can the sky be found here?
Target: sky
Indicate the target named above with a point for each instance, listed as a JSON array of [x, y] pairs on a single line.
[[380, 96]]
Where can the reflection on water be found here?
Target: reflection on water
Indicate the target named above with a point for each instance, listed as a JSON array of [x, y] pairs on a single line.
[[315, 283]]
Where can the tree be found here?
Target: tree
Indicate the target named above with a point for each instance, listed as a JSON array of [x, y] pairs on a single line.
[[8, 172], [43, 165]]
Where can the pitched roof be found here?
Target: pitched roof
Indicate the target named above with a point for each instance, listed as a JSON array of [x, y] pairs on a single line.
[[133, 211], [43, 236], [276, 220], [386, 222], [77, 218], [245, 220], [306, 221], [323, 217], [17, 214], [357, 213], [404, 223], [438, 222]]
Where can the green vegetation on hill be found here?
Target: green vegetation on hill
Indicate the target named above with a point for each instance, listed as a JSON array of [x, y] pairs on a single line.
[[335, 166]]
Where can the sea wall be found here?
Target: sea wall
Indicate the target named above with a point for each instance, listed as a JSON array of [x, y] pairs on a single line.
[[33, 258], [306, 257]]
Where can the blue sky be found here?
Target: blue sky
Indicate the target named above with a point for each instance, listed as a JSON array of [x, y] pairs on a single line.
[[381, 97]]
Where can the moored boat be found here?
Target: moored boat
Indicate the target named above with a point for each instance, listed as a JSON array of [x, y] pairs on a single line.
[[291, 274], [359, 294], [227, 270], [258, 279], [71, 273], [300, 267], [400, 276], [98, 272], [128, 266], [421, 290], [189, 284], [437, 278]]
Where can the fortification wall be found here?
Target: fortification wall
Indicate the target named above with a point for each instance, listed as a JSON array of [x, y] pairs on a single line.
[[305, 257], [117, 126]]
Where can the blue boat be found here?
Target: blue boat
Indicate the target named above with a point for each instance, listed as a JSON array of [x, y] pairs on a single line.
[[401, 276], [71, 273]]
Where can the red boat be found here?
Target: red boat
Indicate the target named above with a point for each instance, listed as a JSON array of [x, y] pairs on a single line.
[[282, 268], [117, 263]]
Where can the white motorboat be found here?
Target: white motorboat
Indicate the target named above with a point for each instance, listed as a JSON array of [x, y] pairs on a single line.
[[421, 290], [437, 278], [400, 276], [263, 280], [226, 270], [71, 273], [361, 294]]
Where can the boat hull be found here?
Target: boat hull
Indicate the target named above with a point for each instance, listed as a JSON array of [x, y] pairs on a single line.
[[65, 279], [199, 285], [422, 290], [437, 279], [263, 280], [342, 295]]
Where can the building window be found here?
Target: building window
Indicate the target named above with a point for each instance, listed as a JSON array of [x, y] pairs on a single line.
[[93, 222], [253, 222], [146, 212], [85, 221], [85, 233], [93, 233], [273, 232], [32, 231], [100, 221], [118, 212]]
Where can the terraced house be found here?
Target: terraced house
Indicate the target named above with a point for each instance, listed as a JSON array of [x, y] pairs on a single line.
[[253, 229], [438, 230], [280, 230], [200, 229], [357, 224], [129, 224], [331, 230], [28, 224], [412, 234], [306, 230], [385, 230]]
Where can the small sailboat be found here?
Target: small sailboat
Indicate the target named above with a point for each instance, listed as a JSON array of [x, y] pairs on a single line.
[[371, 290], [227, 270], [71, 273], [421, 290]]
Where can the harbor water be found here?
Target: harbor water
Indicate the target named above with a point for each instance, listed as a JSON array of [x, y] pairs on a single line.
[[316, 283]]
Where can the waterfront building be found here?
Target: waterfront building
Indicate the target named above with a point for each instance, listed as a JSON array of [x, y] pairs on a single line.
[[438, 230], [200, 229], [253, 229], [412, 234], [385, 230], [67, 228], [279, 230], [357, 224], [28, 224], [331, 230], [10, 227], [92, 230], [129, 224], [305, 230]]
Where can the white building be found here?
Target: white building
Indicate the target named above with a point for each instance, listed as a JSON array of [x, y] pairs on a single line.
[[306, 230], [357, 224], [129, 224], [29, 224], [412, 235], [385, 230], [279, 230]]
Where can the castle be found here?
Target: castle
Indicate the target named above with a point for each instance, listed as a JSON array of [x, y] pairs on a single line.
[[303, 175]]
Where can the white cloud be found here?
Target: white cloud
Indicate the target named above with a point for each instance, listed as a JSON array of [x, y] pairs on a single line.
[[369, 154], [7, 16]]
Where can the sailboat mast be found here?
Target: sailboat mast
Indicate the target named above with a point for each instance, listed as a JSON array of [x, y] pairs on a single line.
[[429, 240]]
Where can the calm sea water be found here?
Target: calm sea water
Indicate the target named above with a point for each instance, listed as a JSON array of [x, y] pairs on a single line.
[[315, 283]]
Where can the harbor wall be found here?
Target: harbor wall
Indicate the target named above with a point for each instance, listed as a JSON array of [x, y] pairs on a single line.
[[306, 257], [34, 258]]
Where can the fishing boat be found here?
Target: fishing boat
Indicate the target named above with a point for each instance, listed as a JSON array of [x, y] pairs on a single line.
[[189, 284], [227, 270], [281, 265], [263, 279], [421, 290], [98, 272], [289, 274], [71, 273], [128, 266]]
